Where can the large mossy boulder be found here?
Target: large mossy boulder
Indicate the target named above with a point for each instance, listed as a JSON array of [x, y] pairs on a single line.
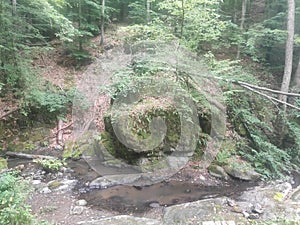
[[144, 133]]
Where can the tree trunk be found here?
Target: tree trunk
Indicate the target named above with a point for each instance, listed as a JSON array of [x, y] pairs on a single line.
[[14, 7], [244, 9], [288, 51], [148, 5], [80, 24], [102, 23], [297, 78], [235, 12], [182, 18]]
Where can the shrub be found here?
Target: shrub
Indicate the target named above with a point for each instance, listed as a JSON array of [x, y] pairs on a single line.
[[13, 192]]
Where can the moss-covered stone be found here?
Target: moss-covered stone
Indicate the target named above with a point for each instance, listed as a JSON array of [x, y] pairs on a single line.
[[218, 171], [3, 164], [71, 150], [137, 142], [241, 169]]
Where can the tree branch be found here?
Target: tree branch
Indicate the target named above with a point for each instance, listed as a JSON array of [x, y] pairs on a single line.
[[268, 89], [8, 113], [271, 98], [28, 156]]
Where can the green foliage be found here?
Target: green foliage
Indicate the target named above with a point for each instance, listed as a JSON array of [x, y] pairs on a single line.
[[227, 150], [229, 69], [155, 31], [13, 207], [197, 22], [13, 211], [34, 23], [137, 12], [254, 118], [266, 158], [50, 165], [263, 42], [47, 99]]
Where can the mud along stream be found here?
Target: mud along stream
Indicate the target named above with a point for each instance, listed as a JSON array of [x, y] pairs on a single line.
[[181, 188]]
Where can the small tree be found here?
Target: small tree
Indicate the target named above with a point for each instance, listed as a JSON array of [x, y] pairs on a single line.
[[102, 22], [289, 50]]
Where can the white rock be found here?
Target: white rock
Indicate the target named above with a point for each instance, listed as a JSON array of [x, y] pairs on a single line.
[[81, 202], [77, 210], [36, 182], [45, 190]]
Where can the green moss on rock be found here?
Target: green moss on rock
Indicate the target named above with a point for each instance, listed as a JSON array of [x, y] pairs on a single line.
[[3, 164]]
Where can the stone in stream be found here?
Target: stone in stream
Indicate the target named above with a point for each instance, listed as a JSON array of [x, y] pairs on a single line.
[[62, 185], [218, 171], [112, 180]]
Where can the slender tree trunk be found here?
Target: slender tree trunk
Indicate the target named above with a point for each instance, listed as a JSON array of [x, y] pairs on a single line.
[[297, 78], [235, 13], [288, 50], [242, 24], [102, 23], [14, 7], [148, 5], [80, 23], [182, 18]]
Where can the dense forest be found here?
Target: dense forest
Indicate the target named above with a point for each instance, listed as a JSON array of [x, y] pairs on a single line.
[[251, 47], [252, 41]]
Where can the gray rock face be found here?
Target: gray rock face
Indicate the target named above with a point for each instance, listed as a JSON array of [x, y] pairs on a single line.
[[271, 202], [112, 180], [200, 211], [122, 220], [246, 174]]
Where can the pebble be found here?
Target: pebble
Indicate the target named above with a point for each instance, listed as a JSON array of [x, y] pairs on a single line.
[[36, 182], [245, 214], [45, 190], [257, 208], [231, 202], [155, 205], [77, 210], [81, 202], [253, 216], [202, 178]]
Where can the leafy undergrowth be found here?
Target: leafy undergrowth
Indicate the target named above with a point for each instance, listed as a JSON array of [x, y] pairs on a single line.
[[268, 138], [13, 207]]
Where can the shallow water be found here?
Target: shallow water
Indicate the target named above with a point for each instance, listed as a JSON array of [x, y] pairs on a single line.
[[131, 199], [138, 199]]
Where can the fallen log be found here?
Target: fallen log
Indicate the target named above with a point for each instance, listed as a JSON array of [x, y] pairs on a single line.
[[28, 156]]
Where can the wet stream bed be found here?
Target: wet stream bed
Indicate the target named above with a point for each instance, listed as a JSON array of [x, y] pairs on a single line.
[[126, 199], [139, 199]]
